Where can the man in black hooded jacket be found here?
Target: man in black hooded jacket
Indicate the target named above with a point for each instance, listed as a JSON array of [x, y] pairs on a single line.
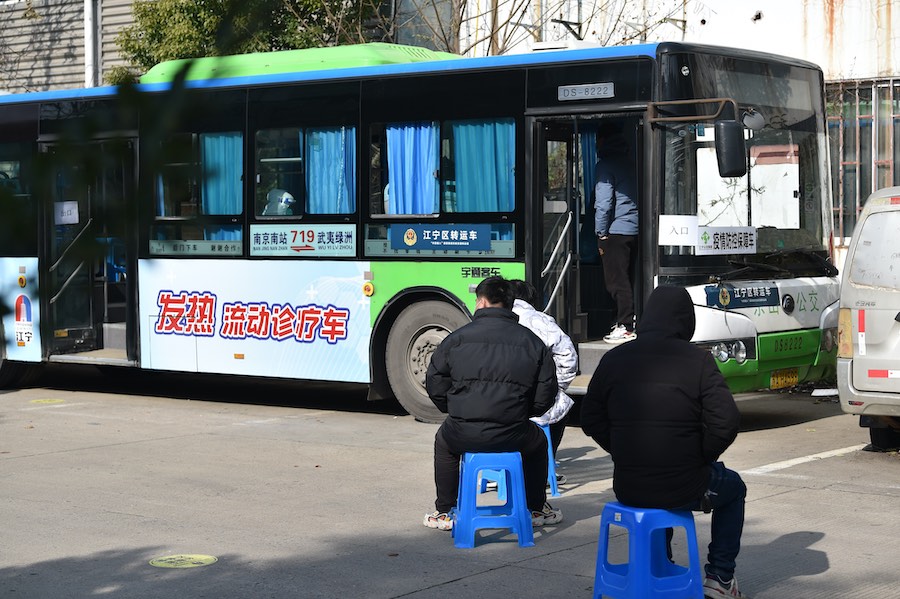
[[663, 411], [490, 376]]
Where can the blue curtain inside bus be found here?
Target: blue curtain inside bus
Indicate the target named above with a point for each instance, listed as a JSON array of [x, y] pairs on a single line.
[[412, 165], [330, 170], [587, 243], [484, 160], [221, 155]]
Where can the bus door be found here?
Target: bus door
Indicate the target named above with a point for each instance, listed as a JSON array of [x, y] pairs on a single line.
[[86, 268], [557, 222], [571, 273]]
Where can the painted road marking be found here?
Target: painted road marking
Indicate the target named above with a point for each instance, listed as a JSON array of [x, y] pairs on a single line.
[[183, 561], [802, 460]]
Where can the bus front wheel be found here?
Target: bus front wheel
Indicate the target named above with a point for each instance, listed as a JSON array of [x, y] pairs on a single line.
[[414, 336]]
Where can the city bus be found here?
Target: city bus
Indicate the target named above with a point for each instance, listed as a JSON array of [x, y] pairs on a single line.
[[325, 214]]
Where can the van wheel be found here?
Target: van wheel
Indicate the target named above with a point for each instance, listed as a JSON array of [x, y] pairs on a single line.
[[414, 336], [885, 439]]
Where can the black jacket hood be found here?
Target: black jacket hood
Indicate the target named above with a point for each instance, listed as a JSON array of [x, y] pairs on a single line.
[[669, 312]]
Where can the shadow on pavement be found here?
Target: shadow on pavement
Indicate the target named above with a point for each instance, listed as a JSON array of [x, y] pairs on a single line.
[[215, 387]]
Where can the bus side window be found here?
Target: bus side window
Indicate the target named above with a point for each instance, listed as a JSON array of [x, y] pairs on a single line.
[[331, 174], [203, 177], [309, 170], [279, 172], [411, 185], [378, 203], [478, 162]]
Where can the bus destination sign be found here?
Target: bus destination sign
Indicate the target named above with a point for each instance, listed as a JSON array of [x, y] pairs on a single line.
[[586, 91], [302, 240]]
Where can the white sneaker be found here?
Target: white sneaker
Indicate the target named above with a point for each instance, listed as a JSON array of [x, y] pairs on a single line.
[[619, 334], [714, 588], [546, 516], [438, 520]]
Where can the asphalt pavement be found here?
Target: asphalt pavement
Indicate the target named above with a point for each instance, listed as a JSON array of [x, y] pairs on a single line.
[[323, 495]]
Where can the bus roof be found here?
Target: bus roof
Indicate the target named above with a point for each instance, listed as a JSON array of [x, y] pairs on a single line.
[[292, 61], [371, 60]]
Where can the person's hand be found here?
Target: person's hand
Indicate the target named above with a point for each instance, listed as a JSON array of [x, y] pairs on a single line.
[[600, 243]]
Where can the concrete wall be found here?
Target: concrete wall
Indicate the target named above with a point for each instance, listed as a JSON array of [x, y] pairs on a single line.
[[41, 45], [42, 42]]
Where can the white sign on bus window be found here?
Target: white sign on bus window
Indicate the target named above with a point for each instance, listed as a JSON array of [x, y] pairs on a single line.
[[726, 240], [677, 229]]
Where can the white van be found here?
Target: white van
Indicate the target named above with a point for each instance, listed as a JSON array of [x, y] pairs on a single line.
[[868, 362]]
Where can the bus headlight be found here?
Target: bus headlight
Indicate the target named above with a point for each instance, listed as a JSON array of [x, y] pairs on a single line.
[[720, 352], [739, 350]]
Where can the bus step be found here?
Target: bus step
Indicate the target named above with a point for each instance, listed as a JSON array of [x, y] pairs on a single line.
[[589, 354], [114, 335], [97, 357]]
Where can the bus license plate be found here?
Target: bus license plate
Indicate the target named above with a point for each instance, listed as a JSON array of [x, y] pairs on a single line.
[[786, 377]]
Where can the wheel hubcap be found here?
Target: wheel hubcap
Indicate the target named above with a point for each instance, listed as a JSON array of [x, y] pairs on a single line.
[[421, 349]]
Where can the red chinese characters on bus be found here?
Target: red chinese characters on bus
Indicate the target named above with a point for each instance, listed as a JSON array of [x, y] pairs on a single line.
[[186, 313], [193, 313]]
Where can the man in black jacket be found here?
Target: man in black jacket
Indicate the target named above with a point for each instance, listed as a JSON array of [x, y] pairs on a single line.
[[662, 409], [490, 376]]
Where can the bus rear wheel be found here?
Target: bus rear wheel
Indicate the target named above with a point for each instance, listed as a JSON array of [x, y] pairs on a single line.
[[414, 336]]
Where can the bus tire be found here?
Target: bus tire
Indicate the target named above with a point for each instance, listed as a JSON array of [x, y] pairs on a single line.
[[414, 336]]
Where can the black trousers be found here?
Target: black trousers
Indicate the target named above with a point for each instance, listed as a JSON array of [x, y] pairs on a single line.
[[557, 430], [617, 251], [532, 444]]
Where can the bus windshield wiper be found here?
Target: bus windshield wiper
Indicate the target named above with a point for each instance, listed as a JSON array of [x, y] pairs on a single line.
[[745, 266], [829, 269]]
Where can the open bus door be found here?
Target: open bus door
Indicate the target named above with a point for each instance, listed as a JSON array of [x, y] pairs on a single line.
[[571, 273], [557, 216], [85, 269]]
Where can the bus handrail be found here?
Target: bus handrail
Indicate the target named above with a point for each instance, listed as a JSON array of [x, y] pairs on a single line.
[[558, 282], [71, 243], [562, 235], [549, 240], [66, 284]]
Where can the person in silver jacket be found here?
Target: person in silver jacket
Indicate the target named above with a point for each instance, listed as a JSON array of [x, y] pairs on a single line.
[[564, 356]]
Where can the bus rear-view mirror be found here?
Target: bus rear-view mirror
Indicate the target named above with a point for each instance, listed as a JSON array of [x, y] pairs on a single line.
[[731, 152]]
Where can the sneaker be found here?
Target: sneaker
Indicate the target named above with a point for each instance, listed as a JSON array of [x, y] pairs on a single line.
[[714, 588], [546, 516], [619, 334], [560, 480], [438, 520]]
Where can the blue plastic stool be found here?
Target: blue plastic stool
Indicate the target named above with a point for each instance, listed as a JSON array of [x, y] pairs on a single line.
[[497, 477], [648, 572], [551, 462], [513, 513]]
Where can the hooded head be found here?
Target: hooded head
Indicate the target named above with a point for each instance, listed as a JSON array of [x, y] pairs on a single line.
[[610, 140], [669, 312]]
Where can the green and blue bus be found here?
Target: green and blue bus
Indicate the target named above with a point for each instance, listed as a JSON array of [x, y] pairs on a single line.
[[325, 214]]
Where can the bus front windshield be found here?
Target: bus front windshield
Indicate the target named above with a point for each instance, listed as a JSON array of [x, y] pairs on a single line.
[[777, 215]]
